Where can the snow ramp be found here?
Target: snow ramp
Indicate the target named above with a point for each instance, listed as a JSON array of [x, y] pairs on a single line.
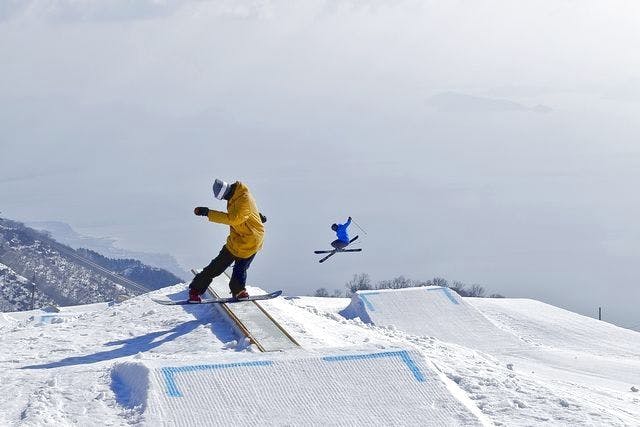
[[433, 311], [393, 387]]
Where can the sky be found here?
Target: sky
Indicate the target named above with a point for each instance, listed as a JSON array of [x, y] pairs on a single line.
[[490, 142]]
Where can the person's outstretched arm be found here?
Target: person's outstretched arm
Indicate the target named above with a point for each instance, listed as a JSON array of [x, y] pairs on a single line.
[[238, 215]]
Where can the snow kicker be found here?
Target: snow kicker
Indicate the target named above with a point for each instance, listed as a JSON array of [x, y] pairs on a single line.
[[431, 311], [394, 387]]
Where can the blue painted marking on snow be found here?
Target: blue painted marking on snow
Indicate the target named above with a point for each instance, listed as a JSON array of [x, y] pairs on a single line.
[[447, 292], [169, 373], [46, 318], [366, 300], [403, 355]]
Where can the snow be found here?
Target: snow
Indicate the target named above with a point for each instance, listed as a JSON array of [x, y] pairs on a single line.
[[284, 389], [107, 364], [433, 311]]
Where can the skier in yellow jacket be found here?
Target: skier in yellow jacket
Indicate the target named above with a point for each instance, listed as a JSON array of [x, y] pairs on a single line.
[[245, 239]]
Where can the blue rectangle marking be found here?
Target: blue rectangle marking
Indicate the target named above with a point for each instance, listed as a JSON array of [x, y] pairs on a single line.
[[169, 373], [447, 292], [403, 355]]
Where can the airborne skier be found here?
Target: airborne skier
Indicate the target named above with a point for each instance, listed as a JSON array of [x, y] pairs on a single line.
[[246, 235], [340, 244], [341, 232]]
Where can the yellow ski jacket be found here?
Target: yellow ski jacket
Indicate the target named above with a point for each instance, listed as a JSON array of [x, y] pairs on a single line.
[[243, 218]]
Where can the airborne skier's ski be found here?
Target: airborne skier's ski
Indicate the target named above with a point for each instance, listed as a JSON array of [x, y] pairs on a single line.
[[335, 251], [341, 250], [218, 300]]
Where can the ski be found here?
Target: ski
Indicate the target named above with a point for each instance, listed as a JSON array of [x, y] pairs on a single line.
[[228, 300], [328, 256], [335, 251]]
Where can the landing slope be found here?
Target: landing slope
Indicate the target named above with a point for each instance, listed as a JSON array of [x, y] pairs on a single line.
[[545, 325], [393, 387], [431, 311]]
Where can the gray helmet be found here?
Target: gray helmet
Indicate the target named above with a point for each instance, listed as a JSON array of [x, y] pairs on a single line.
[[220, 189]]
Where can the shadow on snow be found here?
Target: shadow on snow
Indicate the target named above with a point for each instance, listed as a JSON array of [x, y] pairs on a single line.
[[131, 346]]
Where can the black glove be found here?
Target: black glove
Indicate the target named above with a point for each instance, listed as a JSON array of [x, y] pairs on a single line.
[[262, 218], [201, 211], [349, 218]]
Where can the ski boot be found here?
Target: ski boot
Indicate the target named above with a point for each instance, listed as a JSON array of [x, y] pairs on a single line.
[[194, 296], [243, 294]]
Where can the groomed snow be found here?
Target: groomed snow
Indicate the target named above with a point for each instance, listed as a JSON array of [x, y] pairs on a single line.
[[99, 365], [433, 311], [389, 387]]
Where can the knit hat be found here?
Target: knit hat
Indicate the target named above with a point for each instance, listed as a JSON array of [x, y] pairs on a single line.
[[220, 189]]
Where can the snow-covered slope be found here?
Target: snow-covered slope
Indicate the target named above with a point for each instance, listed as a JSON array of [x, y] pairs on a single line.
[[104, 364], [434, 311], [60, 276], [16, 291], [545, 325], [106, 246], [349, 387], [583, 358]]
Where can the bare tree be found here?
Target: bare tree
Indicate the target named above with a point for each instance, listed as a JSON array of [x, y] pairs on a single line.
[[321, 292], [359, 282], [476, 291], [460, 288], [420, 283], [399, 282], [439, 281], [362, 281], [337, 293]]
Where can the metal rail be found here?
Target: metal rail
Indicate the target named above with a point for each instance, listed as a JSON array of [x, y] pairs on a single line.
[[237, 321], [277, 333]]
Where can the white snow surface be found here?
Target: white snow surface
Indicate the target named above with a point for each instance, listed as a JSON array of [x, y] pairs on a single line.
[[122, 364]]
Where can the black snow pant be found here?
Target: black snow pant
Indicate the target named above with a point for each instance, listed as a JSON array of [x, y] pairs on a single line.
[[339, 244], [217, 266]]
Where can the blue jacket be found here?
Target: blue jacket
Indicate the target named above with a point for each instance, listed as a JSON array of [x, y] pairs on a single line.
[[341, 232]]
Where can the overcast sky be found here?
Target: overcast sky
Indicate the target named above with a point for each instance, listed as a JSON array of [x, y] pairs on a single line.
[[491, 142]]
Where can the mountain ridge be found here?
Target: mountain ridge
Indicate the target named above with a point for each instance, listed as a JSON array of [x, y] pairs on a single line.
[[37, 270]]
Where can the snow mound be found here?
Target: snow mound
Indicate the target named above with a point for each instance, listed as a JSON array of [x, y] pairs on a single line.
[[433, 311], [130, 384], [138, 363], [391, 387], [546, 325]]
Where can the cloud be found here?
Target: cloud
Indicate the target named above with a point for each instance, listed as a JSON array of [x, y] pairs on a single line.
[[462, 103], [321, 104], [628, 91], [88, 10]]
